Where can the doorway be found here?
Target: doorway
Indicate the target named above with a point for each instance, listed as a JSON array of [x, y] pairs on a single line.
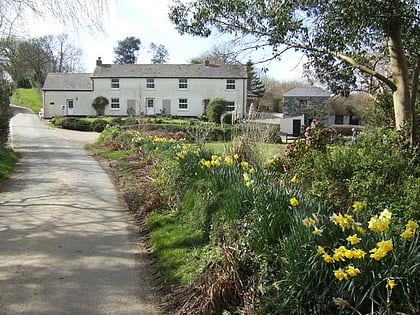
[[70, 107]]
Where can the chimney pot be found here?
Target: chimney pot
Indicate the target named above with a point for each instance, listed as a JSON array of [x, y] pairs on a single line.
[[206, 62], [99, 62]]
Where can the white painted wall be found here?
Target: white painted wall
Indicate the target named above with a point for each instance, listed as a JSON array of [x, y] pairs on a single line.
[[55, 103], [134, 91], [167, 89]]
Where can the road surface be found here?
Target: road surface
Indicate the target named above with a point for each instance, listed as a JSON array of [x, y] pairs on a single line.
[[67, 241]]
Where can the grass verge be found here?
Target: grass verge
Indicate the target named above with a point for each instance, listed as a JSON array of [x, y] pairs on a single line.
[[8, 160], [30, 98]]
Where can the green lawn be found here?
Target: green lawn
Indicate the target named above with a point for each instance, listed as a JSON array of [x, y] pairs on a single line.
[[30, 98]]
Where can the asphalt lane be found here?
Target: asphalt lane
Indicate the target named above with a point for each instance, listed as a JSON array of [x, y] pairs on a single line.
[[67, 241]]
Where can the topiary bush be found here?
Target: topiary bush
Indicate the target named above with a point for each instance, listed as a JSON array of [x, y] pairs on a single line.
[[215, 109]]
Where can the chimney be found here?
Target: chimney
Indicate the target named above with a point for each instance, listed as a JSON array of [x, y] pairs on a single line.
[[99, 62], [206, 62]]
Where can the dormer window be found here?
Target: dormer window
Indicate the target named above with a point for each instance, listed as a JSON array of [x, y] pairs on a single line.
[[115, 83]]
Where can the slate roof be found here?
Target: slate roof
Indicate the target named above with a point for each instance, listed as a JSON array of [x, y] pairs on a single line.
[[307, 92], [68, 82], [170, 71]]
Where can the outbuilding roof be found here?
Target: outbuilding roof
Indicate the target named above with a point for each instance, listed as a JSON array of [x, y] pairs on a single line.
[[307, 92], [68, 82], [170, 71]]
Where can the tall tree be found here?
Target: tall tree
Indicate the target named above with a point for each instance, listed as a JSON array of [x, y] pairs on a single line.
[[160, 53], [29, 61], [338, 36], [127, 50], [223, 53], [255, 86]]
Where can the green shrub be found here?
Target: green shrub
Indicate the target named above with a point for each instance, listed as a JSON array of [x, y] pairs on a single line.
[[215, 109], [75, 124], [5, 112], [98, 125]]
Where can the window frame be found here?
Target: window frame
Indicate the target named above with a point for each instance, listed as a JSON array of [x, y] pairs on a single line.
[[115, 83], [150, 83], [183, 101], [183, 84], [230, 106], [115, 101], [230, 84]]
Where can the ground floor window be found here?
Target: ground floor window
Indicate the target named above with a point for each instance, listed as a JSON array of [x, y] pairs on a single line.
[[115, 103], [183, 103], [230, 106]]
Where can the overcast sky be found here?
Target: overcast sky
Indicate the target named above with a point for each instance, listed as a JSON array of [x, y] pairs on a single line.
[[148, 21]]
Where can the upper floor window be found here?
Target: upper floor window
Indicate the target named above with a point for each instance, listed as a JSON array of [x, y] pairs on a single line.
[[183, 103], [183, 84], [230, 84], [150, 83], [230, 106], [115, 103], [115, 83], [303, 103]]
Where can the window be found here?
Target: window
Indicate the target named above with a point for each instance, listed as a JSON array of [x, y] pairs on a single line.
[[230, 84], [115, 83], [150, 102], [303, 103], [230, 106], [339, 119], [115, 103], [183, 84], [150, 83], [182, 104]]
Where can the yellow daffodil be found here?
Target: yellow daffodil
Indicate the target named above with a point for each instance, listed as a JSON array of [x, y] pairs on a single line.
[[412, 225], [358, 253], [352, 271], [294, 179], [294, 202], [321, 250], [407, 234], [354, 239], [378, 253], [308, 221], [345, 222], [391, 284], [385, 245], [249, 183], [357, 206], [327, 258], [340, 302], [317, 231], [340, 274]]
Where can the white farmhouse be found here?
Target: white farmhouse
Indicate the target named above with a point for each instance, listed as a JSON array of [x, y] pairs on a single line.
[[148, 89]]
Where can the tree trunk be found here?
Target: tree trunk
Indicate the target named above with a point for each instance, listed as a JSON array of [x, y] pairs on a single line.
[[401, 95]]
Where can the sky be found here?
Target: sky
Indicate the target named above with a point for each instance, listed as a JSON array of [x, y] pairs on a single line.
[[148, 21]]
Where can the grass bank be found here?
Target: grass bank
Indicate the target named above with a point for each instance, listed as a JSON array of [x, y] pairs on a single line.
[[8, 160], [30, 98]]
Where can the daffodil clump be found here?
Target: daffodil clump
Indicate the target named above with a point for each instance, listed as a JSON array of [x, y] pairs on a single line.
[[355, 234]]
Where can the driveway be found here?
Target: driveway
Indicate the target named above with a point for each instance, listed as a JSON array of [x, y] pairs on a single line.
[[67, 241]]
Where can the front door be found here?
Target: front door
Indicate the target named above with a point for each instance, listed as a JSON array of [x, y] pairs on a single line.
[[70, 107], [150, 110], [296, 127]]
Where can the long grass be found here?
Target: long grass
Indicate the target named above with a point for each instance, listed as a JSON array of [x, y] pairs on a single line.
[[30, 98], [8, 160]]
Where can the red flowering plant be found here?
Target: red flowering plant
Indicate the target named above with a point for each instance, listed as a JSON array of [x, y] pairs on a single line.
[[315, 139]]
